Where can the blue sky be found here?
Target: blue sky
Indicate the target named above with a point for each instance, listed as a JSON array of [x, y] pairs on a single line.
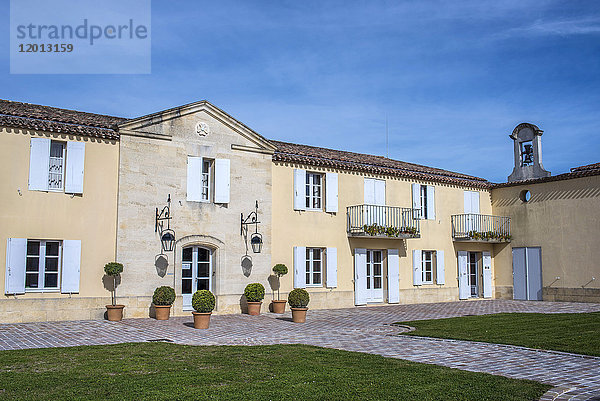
[[453, 78]]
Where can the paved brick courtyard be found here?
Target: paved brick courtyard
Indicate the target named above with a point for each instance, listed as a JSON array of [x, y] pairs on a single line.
[[364, 329]]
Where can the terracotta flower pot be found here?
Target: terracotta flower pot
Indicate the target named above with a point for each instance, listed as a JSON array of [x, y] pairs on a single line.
[[162, 312], [201, 320], [299, 315], [279, 306], [114, 312], [254, 308]]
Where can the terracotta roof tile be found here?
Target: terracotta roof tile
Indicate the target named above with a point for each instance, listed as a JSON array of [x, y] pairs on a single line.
[[560, 177], [52, 119], [316, 156], [593, 166]]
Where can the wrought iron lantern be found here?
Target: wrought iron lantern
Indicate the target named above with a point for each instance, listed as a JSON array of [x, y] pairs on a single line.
[[167, 240], [167, 236], [256, 240]]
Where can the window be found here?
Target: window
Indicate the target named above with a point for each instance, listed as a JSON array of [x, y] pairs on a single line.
[[42, 265], [314, 266], [56, 171], [427, 267], [206, 179], [423, 201], [314, 184]]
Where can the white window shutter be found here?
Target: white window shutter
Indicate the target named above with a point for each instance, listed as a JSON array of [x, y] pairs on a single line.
[[299, 267], [463, 279], [416, 200], [360, 276], [379, 192], [331, 195], [39, 163], [71, 266], [222, 180], [369, 191], [440, 272], [299, 189], [74, 170], [393, 265], [475, 202], [194, 179], [417, 267], [430, 202], [487, 275], [332, 262], [467, 196], [16, 255]]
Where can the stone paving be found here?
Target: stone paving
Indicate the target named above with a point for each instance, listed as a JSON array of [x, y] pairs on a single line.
[[365, 329]]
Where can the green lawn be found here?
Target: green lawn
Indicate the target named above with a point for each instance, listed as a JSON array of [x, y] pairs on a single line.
[[570, 332], [157, 371]]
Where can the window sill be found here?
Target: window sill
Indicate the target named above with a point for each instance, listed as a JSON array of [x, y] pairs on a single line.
[[314, 285], [313, 210], [40, 290]]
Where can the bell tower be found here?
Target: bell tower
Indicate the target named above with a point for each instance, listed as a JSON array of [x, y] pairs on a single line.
[[528, 153]]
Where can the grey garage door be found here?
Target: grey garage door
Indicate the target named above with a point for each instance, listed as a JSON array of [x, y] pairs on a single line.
[[527, 273]]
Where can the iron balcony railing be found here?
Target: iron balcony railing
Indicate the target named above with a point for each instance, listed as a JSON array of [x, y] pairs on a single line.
[[480, 227], [382, 221]]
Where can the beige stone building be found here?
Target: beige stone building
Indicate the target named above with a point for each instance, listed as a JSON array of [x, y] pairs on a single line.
[[353, 229]]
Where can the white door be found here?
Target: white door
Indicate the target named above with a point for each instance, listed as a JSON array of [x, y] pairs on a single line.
[[374, 276], [473, 274], [472, 210], [196, 272]]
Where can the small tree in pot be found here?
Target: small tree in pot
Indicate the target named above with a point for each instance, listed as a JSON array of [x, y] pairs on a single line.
[[114, 311], [254, 293], [280, 270], [203, 302], [162, 299], [298, 300]]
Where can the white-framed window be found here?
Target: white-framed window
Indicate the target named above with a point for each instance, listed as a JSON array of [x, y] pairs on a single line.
[[423, 192], [314, 267], [56, 168], [427, 267], [206, 179], [314, 191], [42, 268]]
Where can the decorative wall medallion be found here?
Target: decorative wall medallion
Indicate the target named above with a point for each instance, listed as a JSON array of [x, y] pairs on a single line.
[[202, 128]]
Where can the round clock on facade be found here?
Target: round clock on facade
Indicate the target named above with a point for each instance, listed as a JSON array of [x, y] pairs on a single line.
[[202, 128]]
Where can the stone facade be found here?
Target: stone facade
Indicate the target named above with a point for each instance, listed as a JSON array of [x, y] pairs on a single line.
[[153, 164]]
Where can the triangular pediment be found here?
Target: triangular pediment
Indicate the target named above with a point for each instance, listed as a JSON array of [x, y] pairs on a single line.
[[144, 125]]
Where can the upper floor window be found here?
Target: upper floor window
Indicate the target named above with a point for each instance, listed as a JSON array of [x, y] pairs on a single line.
[[314, 193], [56, 166], [424, 201], [206, 179]]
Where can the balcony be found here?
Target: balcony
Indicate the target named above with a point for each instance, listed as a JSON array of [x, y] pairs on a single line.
[[384, 222], [480, 228]]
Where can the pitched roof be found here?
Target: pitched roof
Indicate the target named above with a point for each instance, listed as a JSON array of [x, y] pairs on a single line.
[[52, 119], [576, 172], [593, 166], [323, 157]]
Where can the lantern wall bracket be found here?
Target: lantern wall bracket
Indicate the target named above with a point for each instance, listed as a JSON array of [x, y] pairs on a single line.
[[165, 214], [252, 218]]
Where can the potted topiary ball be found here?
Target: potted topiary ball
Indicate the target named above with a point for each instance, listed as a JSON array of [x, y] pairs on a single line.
[[203, 302], [280, 270], [254, 293], [298, 300], [162, 299], [114, 312]]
